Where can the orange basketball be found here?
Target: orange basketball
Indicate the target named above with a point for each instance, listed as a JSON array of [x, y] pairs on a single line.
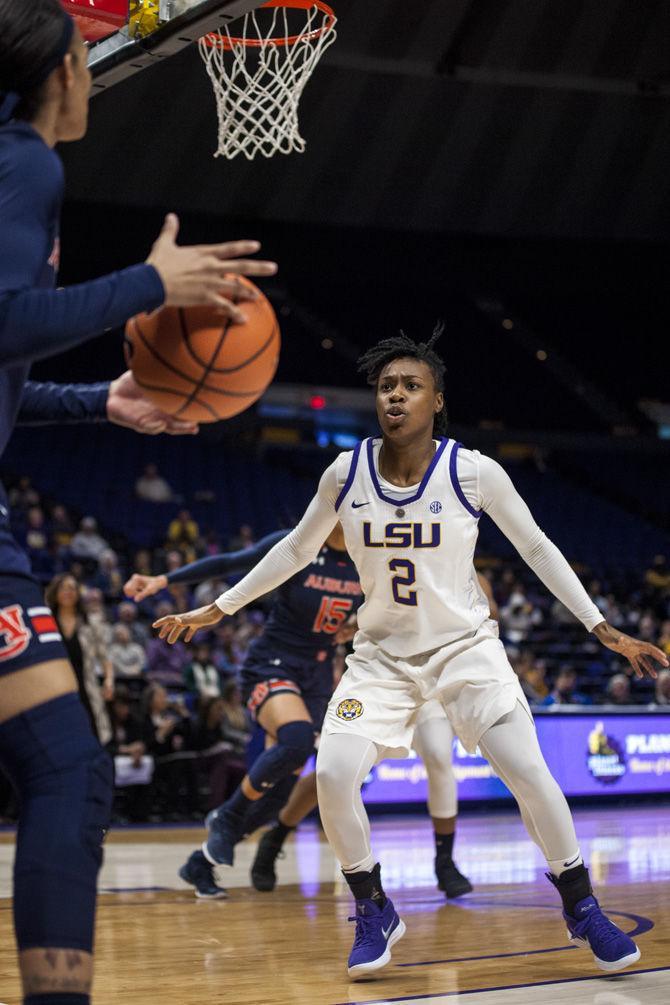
[[199, 366]]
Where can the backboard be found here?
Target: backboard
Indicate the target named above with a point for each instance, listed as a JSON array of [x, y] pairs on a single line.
[[126, 36]]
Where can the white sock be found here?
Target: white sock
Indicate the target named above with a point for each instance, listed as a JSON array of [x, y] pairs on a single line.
[[560, 865]]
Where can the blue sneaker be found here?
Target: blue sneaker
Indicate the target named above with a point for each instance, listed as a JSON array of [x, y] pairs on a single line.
[[199, 873], [612, 949], [377, 929], [224, 833]]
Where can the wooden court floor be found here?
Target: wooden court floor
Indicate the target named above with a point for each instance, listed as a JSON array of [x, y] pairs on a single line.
[[504, 944]]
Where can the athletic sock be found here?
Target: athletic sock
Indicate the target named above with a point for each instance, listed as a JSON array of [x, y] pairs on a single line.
[[67, 999], [238, 804], [573, 885], [280, 832], [444, 844], [561, 865], [367, 885]]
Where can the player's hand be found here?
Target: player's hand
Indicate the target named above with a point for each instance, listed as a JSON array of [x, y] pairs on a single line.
[[200, 274], [639, 654], [172, 626], [127, 406], [140, 587]]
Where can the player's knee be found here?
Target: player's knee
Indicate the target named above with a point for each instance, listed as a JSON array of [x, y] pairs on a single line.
[[297, 739], [295, 743], [65, 781]]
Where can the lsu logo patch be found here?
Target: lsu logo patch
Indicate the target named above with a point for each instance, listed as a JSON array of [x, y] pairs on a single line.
[[349, 709]]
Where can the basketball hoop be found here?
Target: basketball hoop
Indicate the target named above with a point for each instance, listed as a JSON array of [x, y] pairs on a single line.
[[259, 75]]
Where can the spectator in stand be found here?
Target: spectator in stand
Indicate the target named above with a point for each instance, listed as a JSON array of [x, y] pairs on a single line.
[[23, 495], [127, 614], [184, 533], [109, 577], [152, 487], [62, 529], [206, 593], [224, 760], [87, 544], [142, 562], [133, 767], [244, 538], [519, 616], [235, 722], [86, 648], [96, 612], [662, 695], [563, 692], [618, 690], [127, 657], [664, 640], [532, 673], [166, 663], [224, 654], [36, 541], [646, 627], [201, 678], [657, 575], [595, 593], [169, 726]]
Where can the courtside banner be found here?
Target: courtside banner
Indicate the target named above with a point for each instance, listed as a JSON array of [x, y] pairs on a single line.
[[589, 753]]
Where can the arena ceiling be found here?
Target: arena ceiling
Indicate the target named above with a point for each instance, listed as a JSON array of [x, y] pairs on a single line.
[[506, 117]]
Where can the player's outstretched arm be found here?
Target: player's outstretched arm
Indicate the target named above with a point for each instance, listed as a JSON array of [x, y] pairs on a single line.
[[232, 563], [287, 557], [507, 509], [36, 323]]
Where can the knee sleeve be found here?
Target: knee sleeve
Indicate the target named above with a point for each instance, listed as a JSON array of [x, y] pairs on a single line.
[[65, 783], [295, 743]]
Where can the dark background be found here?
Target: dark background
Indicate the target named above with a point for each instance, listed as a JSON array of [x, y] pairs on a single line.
[[470, 161]]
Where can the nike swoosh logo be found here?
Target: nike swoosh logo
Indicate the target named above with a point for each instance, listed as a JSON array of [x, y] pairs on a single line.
[[571, 862], [356, 505], [387, 931]]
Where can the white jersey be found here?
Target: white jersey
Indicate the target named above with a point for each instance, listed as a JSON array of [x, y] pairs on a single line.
[[414, 555]]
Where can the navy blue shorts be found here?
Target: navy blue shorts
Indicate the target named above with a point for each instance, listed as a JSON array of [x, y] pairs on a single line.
[[28, 631], [313, 682]]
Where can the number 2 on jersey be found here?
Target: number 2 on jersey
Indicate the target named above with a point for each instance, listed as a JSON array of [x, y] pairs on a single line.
[[331, 614], [403, 582]]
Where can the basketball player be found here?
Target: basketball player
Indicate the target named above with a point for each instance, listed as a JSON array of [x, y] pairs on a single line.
[[60, 771], [290, 634], [409, 505], [433, 740]]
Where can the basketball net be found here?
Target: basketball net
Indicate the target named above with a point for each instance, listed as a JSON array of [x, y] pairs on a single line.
[[259, 75]]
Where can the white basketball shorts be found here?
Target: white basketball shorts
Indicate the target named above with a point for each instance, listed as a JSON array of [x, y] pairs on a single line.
[[381, 697]]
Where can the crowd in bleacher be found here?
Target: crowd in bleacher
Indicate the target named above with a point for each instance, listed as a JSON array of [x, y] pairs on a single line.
[[172, 715]]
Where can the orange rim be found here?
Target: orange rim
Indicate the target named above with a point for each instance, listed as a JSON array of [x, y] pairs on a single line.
[[218, 41]]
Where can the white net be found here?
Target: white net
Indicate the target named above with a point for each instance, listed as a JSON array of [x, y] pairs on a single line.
[[259, 74]]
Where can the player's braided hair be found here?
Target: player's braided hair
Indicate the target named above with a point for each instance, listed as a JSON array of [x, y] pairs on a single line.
[[372, 362]]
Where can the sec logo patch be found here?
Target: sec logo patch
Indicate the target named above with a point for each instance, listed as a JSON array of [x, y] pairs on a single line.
[[349, 709]]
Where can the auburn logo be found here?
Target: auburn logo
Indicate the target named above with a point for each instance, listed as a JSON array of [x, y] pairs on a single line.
[[14, 636]]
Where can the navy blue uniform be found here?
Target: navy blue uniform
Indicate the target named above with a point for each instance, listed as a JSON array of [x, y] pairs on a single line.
[[294, 653], [37, 321]]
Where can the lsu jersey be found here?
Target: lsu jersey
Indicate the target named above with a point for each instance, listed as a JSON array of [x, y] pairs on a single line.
[[414, 552]]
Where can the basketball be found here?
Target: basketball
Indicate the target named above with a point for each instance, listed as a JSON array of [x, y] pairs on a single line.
[[199, 366]]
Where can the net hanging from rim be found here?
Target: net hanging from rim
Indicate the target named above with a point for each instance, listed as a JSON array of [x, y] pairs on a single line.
[[259, 75]]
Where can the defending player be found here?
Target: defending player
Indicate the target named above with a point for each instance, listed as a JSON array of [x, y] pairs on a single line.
[[433, 740], [46, 746], [410, 506], [295, 618]]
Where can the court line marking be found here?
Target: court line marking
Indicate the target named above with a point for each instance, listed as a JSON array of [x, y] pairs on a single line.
[[505, 987], [642, 925]]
